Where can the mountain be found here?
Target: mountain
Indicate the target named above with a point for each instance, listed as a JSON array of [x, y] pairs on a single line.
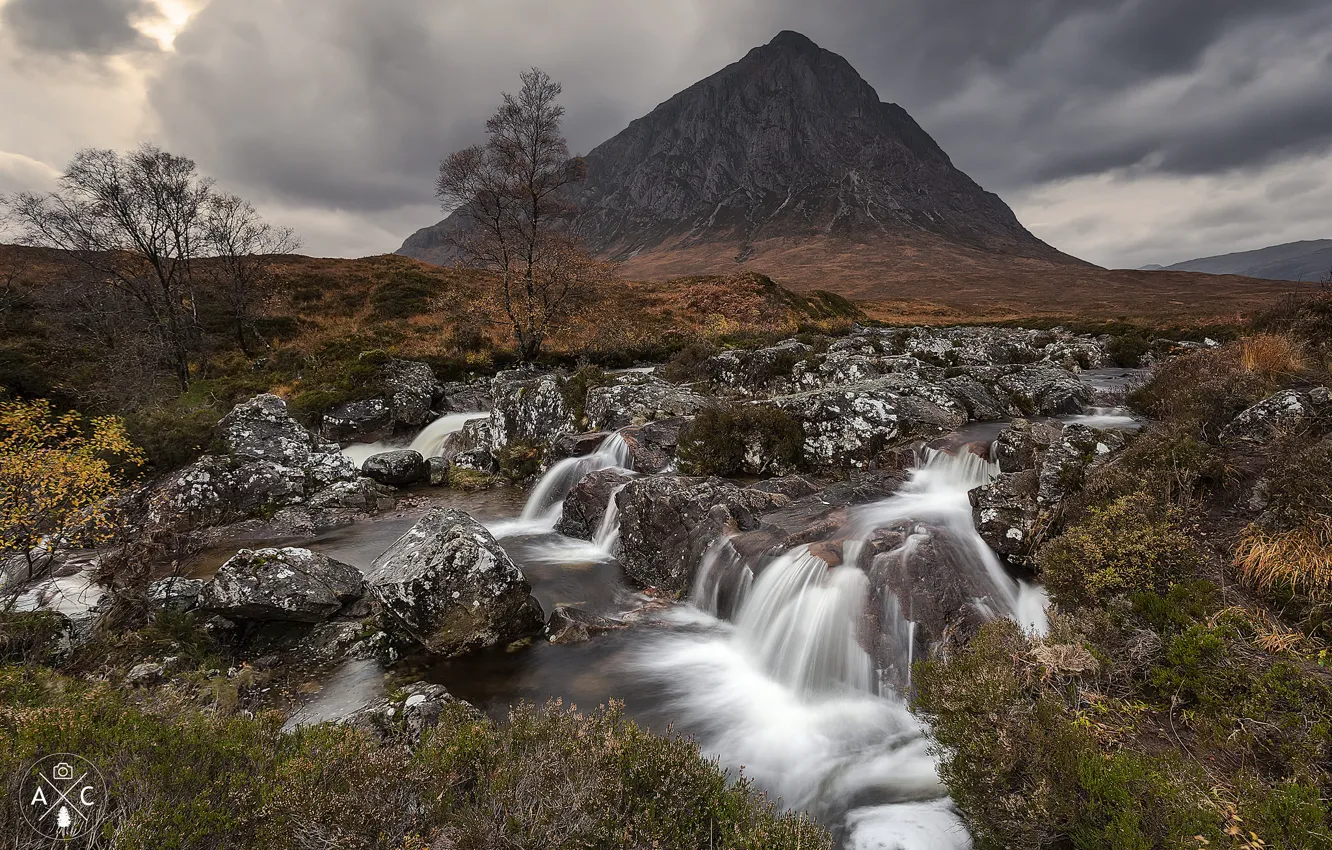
[[783, 162], [1309, 261]]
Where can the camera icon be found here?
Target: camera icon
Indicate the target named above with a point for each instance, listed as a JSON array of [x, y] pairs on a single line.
[[62, 771]]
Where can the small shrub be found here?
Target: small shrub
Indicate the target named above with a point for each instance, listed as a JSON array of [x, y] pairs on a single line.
[[407, 293], [469, 479], [743, 438], [30, 637], [575, 389], [1134, 543], [1272, 357], [689, 363], [1204, 390]]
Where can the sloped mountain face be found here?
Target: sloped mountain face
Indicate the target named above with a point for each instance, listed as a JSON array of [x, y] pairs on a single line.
[[1309, 261], [789, 143]]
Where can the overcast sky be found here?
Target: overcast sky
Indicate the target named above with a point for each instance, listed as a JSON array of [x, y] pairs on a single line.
[[1121, 131]]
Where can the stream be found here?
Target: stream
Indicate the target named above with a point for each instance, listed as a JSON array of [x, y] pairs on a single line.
[[764, 664]]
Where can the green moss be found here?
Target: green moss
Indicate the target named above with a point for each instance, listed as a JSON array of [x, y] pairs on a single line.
[[470, 479], [520, 461]]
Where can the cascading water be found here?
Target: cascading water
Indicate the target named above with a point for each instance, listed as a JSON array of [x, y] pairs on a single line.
[[430, 442], [543, 506], [607, 537], [786, 686]]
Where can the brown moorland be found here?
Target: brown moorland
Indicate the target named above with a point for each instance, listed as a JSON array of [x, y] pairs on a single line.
[[932, 281]]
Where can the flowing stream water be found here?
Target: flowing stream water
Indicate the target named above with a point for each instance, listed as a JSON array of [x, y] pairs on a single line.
[[430, 442], [766, 665]]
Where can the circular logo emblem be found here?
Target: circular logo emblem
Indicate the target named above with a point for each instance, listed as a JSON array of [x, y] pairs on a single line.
[[63, 797]]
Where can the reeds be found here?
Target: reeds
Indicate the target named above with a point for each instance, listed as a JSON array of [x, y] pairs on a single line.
[[1299, 560]]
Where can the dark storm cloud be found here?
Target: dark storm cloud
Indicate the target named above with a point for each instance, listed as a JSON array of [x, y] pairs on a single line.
[[94, 27]]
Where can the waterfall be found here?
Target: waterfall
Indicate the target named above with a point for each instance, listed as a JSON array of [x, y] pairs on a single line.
[[430, 442], [547, 499], [608, 531]]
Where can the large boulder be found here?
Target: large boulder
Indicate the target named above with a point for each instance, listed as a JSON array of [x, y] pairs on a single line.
[[1046, 391], [529, 408], [367, 420], [653, 445], [272, 462], [848, 427], [1283, 411], [281, 584], [586, 503], [637, 399], [668, 522], [1005, 513], [762, 371], [575, 445], [396, 468], [450, 587], [409, 388]]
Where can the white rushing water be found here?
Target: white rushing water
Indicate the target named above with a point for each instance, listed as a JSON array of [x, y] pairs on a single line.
[[430, 442], [786, 689], [546, 502]]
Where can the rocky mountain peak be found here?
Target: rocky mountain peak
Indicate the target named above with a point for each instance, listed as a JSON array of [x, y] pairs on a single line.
[[785, 146]]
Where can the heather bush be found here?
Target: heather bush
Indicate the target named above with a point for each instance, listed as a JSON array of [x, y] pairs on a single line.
[[757, 439]]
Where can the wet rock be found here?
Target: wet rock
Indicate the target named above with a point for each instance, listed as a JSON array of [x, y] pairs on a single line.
[[447, 584], [638, 399], [366, 421], [286, 584], [437, 471], [409, 388], [529, 408], [176, 593], [791, 486], [1046, 391], [575, 445], [587, 502], [397, 468], [653, 445], [458, 397], [147, 673], [272, 462], [930, 579], [334, 506], [1260, 423], [1005, 514], [668, 522], [407, 714], [573, 625]]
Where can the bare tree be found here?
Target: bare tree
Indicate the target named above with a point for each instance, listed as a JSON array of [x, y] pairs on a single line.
[[510, 195], [242, 246], [134, 220]]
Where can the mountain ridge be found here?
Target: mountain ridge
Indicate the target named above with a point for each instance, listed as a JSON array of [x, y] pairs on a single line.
[[1308, 260]]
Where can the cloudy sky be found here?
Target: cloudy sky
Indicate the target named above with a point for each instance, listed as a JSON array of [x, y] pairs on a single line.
[[1122, 131]]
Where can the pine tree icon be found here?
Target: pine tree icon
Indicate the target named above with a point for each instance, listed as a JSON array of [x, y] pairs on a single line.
[[63, 821]]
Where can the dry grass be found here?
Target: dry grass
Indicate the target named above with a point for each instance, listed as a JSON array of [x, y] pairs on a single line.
[[1273, 357], [1299, 560]]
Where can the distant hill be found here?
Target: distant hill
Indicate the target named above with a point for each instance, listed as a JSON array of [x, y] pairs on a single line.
[[1308, 261], [778, 163]]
